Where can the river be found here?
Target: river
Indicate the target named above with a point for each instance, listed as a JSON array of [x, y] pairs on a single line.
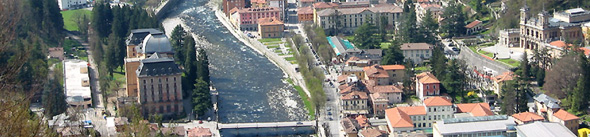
[[251, 88]]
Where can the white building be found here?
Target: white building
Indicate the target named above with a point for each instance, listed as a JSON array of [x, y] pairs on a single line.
[[417, 52], [409, 118], [509, 37], [500, 125], [71, 4], [348, 19], [77, 83], [543, 129]]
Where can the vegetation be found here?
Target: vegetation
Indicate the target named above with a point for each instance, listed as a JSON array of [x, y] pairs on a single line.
[[307, 102], [319, 43], [265, 40], [515, 92], [454, 22], [365, 36], [393, 54], [75, 19]]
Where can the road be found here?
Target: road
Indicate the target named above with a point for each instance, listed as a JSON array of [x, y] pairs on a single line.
[[97, 98]]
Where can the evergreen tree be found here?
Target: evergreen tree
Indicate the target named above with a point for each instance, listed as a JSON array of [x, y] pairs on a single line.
[[454, 22], [112, 51], [428, 29], [54, 100], [578, 99], [203, 65], [525, 74], [176, 40], [383, 21], [438, 62], [408, 28], [201, 97], [407, 81], [190, 72], [508, 106], [364, 36], [455, 79], [393, 54]]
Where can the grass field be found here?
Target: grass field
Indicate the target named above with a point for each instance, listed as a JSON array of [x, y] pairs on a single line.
[[385, 45], [273, 47], [349, 38], [290, 58], [266, 40], [307, 102], [511, 62], [68, 16]]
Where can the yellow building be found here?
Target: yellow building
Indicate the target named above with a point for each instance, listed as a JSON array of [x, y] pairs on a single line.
[[270, 27]]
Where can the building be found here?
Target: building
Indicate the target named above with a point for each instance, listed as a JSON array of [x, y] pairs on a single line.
[[362, 121], [77, 83], [56, 52], [142, 43], [435, 9], [392, 93], [159, 83], [377, 74], [543, 129], [474, 109], [500, 80], [586, 32], [247, 18], [199, 132], [231, 4], [549, 108], [346, 20], [350, 70], [379, 104], [372, 132], [350, 127], [527, 117], [396, 73], [356, 61], [355, 102], [565, 25], [473, 27], [305, 3], [339, 45], [417, 52], [305, 14], [373, 56], [427, 85], [408, 118], [258, 3], [270, 28], [499, 125], [572, 122], [71, 4], [509, 37]]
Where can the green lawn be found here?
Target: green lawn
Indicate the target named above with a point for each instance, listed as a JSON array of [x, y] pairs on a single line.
[[272, 47], [349, 38], [278, 51], [385, 45], [511, 62], [422, 69], [68, 17], [307, 102], [290, 58], [274, 43], [265, 40], [487, 53]]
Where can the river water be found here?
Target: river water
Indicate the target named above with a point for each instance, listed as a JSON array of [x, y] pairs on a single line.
[[251, 88]]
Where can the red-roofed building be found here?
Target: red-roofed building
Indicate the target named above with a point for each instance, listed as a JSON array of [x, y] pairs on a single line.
[[501, 79], [372, 132], [527, 117], [376, 73], [355, 102], [571, 121], [305, 14], [391, 92], [435, 108], [474, 27], [350, 127], [230, 4], [396, 73], [247, 18], [270, 27], [379, 104], [427, 85], [362, 121], [475, 109]]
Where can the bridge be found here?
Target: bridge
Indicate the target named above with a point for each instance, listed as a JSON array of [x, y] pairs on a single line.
[[266, 125]]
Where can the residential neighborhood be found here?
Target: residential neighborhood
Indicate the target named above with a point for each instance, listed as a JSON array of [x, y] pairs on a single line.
[[348, 68]]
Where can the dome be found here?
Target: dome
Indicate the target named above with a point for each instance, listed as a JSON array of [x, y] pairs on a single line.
[[156, 43]]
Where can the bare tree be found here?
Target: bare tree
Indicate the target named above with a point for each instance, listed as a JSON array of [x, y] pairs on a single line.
[[563, 76]]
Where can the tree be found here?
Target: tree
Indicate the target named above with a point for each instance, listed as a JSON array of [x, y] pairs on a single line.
[[201, 97], [524, 68], [176, 40], [429, 28], [364, 36], [190, 68], [393, 54], [54, 100], [203, 65], [438, 62], [508, 106], [455, 79], [454, 22], [408, 28], [408, 81], [383, 21], [563, 76]]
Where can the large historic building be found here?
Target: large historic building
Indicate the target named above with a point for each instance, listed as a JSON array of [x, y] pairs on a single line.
[[153, 78], [565, 25], [346, 20]]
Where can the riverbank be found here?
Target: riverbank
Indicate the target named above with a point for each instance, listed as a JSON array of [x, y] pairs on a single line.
[[283, 64]]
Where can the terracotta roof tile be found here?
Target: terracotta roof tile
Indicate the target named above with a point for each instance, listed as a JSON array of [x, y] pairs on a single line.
[[437, 101], [350, 126], [528, 117], [270, 21], [385, 89], [304, 10], [355, 95], [393, 67], [341, 78], [371, 132], [476, 109], [414, 110], [506, 76], [416, 46], [363, 121], [398, 118], [564, 115], [427, 78], [558, 43], [323, 5], [473, 24], [375, 71]]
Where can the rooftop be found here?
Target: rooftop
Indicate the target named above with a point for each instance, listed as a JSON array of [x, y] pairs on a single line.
[[350, 126], [157, 65], [476, 109], [528, 117], [375, 71], [455, 126], [544, 129], [155, 43], [473, 24], [199, 132], [564, 115], [393, 67], [371, 132], [137, 35], [427, 78], [549, 101], [437, 101], [416, 46], [354, 95], [506, 76], [270, 21], [398, 118], [304, 10], [76, 83]]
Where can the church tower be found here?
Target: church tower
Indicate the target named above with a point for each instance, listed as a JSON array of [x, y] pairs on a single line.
[[524, 13]]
